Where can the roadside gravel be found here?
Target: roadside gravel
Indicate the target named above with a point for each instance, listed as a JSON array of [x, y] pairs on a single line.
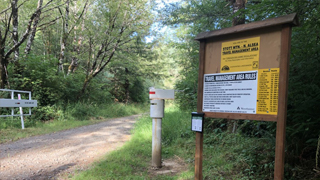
[[52, 155]]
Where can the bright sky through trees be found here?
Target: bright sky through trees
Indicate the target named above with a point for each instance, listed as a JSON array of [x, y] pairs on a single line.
[[157, 27]]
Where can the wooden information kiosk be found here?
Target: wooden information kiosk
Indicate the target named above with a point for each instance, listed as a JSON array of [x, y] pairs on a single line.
[[243, 74]]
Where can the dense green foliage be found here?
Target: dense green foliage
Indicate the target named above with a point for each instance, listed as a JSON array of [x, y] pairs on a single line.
[[83, 53], [193, 17]]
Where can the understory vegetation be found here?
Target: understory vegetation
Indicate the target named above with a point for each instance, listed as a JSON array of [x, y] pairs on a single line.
[[225, 155]]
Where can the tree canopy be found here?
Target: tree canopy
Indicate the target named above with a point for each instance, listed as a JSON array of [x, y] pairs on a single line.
[[73, 48]]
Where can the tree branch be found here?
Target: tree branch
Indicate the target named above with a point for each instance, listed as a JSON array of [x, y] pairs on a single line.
[[5, 10], [24, 37], [34, 28], [82, 12], [8, 28], [46, 5], [50, 22], [110, 27], [53, 8], [112, 53]]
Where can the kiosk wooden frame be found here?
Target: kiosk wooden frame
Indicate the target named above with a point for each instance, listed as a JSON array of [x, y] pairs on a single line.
[[275, 41]]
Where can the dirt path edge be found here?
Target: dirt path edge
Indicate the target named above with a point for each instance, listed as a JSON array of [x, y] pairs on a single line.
[[47, 156]]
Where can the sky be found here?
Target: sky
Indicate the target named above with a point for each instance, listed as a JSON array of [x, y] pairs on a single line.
[[161, 3], [156, 26]]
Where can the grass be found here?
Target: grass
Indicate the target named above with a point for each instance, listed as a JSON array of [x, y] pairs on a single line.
[[13, 134], [73, 116], [225, 156], [130, 161], [133, 160]]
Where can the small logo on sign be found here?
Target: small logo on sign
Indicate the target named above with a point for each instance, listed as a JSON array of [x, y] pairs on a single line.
[[225, 68], [255, 65]]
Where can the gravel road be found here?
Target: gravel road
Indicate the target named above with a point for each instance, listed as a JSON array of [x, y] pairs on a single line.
[[49, 156]]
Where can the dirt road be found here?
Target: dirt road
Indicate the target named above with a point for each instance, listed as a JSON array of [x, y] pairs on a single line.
[[49, 156]]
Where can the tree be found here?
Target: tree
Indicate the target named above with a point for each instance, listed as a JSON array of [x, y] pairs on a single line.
[[29, 24], [238, 7], [66, 31], [191, 18], [5, 29], [303, 94], [133, 66], [34, 28], [117, 23]]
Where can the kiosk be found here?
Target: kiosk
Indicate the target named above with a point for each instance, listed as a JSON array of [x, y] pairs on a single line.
[[243, 74]]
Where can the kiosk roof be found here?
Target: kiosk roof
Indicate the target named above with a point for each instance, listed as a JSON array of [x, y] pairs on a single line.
[[290, 19]]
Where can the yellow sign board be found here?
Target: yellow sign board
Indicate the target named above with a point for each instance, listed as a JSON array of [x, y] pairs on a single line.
[[240, 55], [268, 88]]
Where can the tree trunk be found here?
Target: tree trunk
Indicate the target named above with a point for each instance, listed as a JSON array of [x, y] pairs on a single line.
[[76, 48], [238, 5], [34, 28], [73, 65], [239, 19], [15, 38], [3, 66], [15, 23], [85, 85], [61, 57], [64, 38], [126, 86], [89, 57]]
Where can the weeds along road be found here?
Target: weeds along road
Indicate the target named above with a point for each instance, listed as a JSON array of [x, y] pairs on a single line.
[[55, 155]]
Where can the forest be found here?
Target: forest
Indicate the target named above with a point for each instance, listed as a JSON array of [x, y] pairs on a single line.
[[71, 52], [84, 53]]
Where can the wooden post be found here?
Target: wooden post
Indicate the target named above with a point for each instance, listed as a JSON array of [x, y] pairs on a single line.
[[282, 105], [198, 157], [199, 135]]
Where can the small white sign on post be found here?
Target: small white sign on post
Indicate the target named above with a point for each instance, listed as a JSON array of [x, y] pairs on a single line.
[[197, 121], [197, 124]]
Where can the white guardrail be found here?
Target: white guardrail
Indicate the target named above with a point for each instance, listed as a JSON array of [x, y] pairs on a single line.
[[20, 103]]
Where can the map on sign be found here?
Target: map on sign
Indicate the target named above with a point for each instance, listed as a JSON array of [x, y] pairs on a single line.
[[230, 92], [240, 55]]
